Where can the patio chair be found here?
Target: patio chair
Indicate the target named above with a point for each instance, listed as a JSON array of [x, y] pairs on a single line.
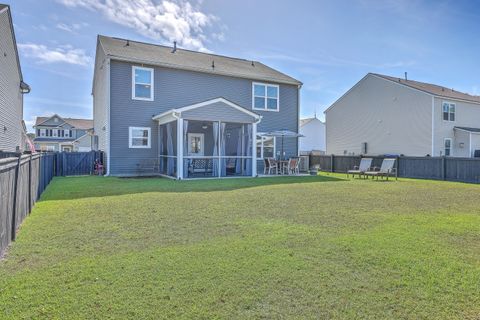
[[270, 165], [385, 170], [292, 166], [365, 165]]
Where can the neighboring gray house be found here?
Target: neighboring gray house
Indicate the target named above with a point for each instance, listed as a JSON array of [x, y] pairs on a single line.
[[388, 115], [63, 134], [188, 114], [12, 87]]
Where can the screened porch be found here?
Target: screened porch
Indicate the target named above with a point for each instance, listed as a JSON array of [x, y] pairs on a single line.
[[207, 144]]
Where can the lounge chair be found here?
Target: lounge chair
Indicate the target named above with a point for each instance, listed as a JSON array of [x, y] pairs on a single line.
[[385, 170], [365, 165]]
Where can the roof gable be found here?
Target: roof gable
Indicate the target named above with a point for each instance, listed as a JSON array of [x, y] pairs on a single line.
[[214, 110], [3, 8], [139, 52], [82, 124]]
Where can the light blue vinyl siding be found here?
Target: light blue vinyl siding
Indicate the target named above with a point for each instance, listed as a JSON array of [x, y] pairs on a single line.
[[179, 88]]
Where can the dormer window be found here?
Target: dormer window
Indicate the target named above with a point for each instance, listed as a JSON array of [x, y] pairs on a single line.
[[448, 111], [142, 83]]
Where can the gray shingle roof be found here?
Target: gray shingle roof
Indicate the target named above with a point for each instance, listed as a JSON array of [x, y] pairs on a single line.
[[476, 130], [140, 52], [307, 120], [433, 89], [83, 124]]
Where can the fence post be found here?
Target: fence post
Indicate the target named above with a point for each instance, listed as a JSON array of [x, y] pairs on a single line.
[[64, 163], [332, 169], [14, 211], [396, 167], [444, 168], [30, 184]]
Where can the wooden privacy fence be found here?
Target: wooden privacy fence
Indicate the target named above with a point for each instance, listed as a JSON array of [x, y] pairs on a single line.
[[24, 178], [437, 168]]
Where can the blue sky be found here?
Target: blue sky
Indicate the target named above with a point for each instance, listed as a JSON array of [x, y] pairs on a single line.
[[328, 45]]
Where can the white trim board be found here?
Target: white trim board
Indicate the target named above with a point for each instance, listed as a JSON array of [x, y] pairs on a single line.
[[178, 111]]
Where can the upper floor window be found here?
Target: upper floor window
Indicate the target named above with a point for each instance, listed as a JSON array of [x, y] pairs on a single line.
[[142, 83], [139, 137], [265, 96], [448, 111]]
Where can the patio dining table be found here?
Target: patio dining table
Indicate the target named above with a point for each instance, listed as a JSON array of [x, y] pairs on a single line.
[[282, 163]]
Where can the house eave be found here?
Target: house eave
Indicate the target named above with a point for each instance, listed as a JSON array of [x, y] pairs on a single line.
[[203, 70]]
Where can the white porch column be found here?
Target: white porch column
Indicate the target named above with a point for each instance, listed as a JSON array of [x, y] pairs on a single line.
[[179, 148], [254, 149]]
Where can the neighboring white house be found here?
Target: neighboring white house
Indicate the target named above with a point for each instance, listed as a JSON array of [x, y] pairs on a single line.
[[12, 87], [388, 115], [314, 136]]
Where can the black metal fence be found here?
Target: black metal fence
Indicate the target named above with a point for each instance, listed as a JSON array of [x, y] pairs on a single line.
[[437, 168], [23, 178]]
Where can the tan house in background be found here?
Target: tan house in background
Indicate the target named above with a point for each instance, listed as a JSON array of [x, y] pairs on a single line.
[[387, 115]]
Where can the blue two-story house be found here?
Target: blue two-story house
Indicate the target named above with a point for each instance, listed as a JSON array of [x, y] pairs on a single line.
[[56, 133], [188, 114]]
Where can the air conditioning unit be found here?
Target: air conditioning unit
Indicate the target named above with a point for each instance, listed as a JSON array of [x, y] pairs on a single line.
[[304, 164]]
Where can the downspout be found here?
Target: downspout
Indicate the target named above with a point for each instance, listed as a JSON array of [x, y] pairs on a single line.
[[470, 144], [109, 155], [298, 118], [433, 126]]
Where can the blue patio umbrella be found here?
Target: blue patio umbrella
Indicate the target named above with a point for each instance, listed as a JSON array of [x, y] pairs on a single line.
[[282, 133]]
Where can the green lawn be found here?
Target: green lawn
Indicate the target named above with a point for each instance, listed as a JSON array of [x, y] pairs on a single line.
[[273, 248]]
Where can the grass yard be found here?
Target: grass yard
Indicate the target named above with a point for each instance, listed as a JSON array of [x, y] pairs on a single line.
[[273, 248]]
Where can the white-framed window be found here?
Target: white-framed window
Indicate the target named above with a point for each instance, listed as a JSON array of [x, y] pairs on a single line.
[[66, 133], [139, 137], [448, 111], [47, 147], [265, 96], [42, 132], [265, 147], [447, 143], [142, 83], [196, 144]]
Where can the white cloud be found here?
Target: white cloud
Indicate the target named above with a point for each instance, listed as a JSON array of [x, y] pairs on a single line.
[[166, 21], [72, 28], [64, 54]]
